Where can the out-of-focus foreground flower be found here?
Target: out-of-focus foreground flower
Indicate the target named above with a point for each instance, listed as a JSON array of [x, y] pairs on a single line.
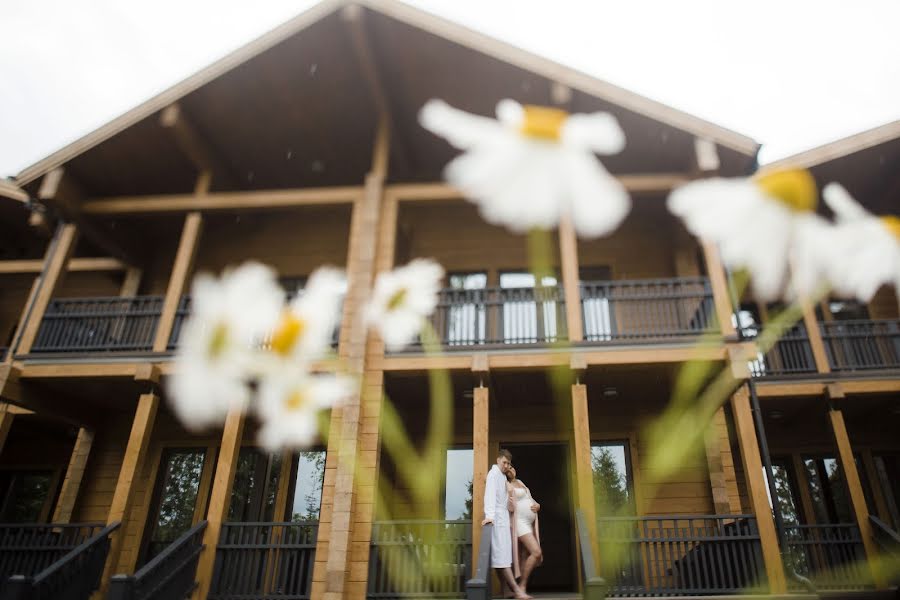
[[765, 224], [534, 165], [402, 299], [865, 253]]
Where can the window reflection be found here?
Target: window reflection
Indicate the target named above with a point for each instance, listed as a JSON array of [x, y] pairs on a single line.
[[309, 476], [611, 468], [458, 484], [528, 315], [176, 497], [23, 495]]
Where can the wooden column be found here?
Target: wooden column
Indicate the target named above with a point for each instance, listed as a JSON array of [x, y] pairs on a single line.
[[584, 473], [854, 486], [719, 284], [568, 253], [718, 455], [481, 458], [132, 464], [6, 421], [20, 327], [74, 474], [184, 260], [756, 490], [131, 283], [220, 499], [815, 338], [57, 261]]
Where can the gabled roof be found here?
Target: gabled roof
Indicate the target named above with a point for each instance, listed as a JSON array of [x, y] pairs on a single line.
[[280, 95]]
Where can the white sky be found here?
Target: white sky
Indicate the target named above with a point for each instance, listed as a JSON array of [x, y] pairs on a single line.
[[792, 74]]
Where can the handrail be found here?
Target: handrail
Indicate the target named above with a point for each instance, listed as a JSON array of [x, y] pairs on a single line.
[[479, 587], [882, 529], [594, 585], [56, 583], [172, 581]]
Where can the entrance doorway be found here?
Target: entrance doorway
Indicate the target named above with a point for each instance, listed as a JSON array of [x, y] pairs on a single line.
[[544, 469]]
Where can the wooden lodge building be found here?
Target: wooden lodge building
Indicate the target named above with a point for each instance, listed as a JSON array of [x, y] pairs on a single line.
[[302, 149]]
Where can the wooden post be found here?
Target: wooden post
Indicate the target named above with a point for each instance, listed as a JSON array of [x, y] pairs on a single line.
[[6, 420], [74, 474], [220, 499], [203, 488], [584, 473], [184, 260], [719, 283], [854, 486], [20, 327], [132, 464], [481, 462], [568, 253], [57, 261], [132, 282], [714, 460], [815, 339], [756, 490]]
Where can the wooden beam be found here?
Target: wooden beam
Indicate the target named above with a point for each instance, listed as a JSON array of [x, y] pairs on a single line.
[[6, 420], [773, 389], [132, 465], [584, 473], [854, 486], [706, 155], [220, 499], [193, 145], [74, 475], [717, 483], [10, 190], [719, 283], [132, 282], [58, 257], [840, 148], [249, 200], [481, 462], [20, 326], [181, 270], [756, 490], [568, 252], [75, 264], [816, 343]]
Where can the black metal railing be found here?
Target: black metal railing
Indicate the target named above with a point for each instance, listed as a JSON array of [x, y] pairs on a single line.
[[29, 549], [99, 324], [862, 344], [647, 309], [181, 315], [169, 576], [791, 355], [888, 542], [264, 561], [500, 316], [830, 556], [594, 586], [479, 586], [680, 555], [75, 576], [424, 559]]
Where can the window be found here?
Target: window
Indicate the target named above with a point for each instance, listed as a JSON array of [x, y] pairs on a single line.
[[458, 484], [611, 466], [887, 466], [529, 313], [784, 491], [829, 490], [175, 498], [25, 496], [309, 475], [255, 486], [466, 316]]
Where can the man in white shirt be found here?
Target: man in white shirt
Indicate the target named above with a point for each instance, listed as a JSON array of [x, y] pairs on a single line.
[[496, 511]]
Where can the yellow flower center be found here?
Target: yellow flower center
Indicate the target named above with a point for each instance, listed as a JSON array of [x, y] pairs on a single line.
[[289, 330], [893, 225], [218, 340], [794, 188], [296, 400], [397, 300], [543, 122]]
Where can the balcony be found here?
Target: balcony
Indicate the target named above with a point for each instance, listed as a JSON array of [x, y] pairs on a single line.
[[862, 345], [791, 355]]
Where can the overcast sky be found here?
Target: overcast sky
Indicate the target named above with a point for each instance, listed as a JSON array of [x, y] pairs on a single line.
[[791, 74]]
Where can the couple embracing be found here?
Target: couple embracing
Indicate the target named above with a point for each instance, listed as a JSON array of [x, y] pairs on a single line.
[[509, 506]]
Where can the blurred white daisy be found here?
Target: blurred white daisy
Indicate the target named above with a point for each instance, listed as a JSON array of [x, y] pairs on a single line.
[[866, 252], [765, 224], [306, 326], [215, 357], [402, 299], [534, 165], [288, 404]]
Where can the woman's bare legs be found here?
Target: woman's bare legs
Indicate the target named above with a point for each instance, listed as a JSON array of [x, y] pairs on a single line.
[[535, 557]]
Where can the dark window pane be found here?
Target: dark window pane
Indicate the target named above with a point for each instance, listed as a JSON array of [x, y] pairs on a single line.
[[255, 486], [176, 497], [24, 494]]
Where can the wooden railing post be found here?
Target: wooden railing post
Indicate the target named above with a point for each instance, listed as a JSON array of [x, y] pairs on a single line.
[[854, 486], [719, 283], [220, 499], [6, 420], [816, 343], [57, 262], [481, 461], [756, 490], [184, 260]]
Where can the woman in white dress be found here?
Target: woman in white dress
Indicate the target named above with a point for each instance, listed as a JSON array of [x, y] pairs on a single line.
[[524, 525]]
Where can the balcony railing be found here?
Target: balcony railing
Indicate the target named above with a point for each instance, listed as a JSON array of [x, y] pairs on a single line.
[[680, 555], [264, 561], [421, 559], [99, 324], [29, 549], [831, 556], [791, 355], [646, 309], [862, 344]]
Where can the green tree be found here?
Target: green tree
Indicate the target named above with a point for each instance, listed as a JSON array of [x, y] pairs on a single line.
[[610, 486]]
